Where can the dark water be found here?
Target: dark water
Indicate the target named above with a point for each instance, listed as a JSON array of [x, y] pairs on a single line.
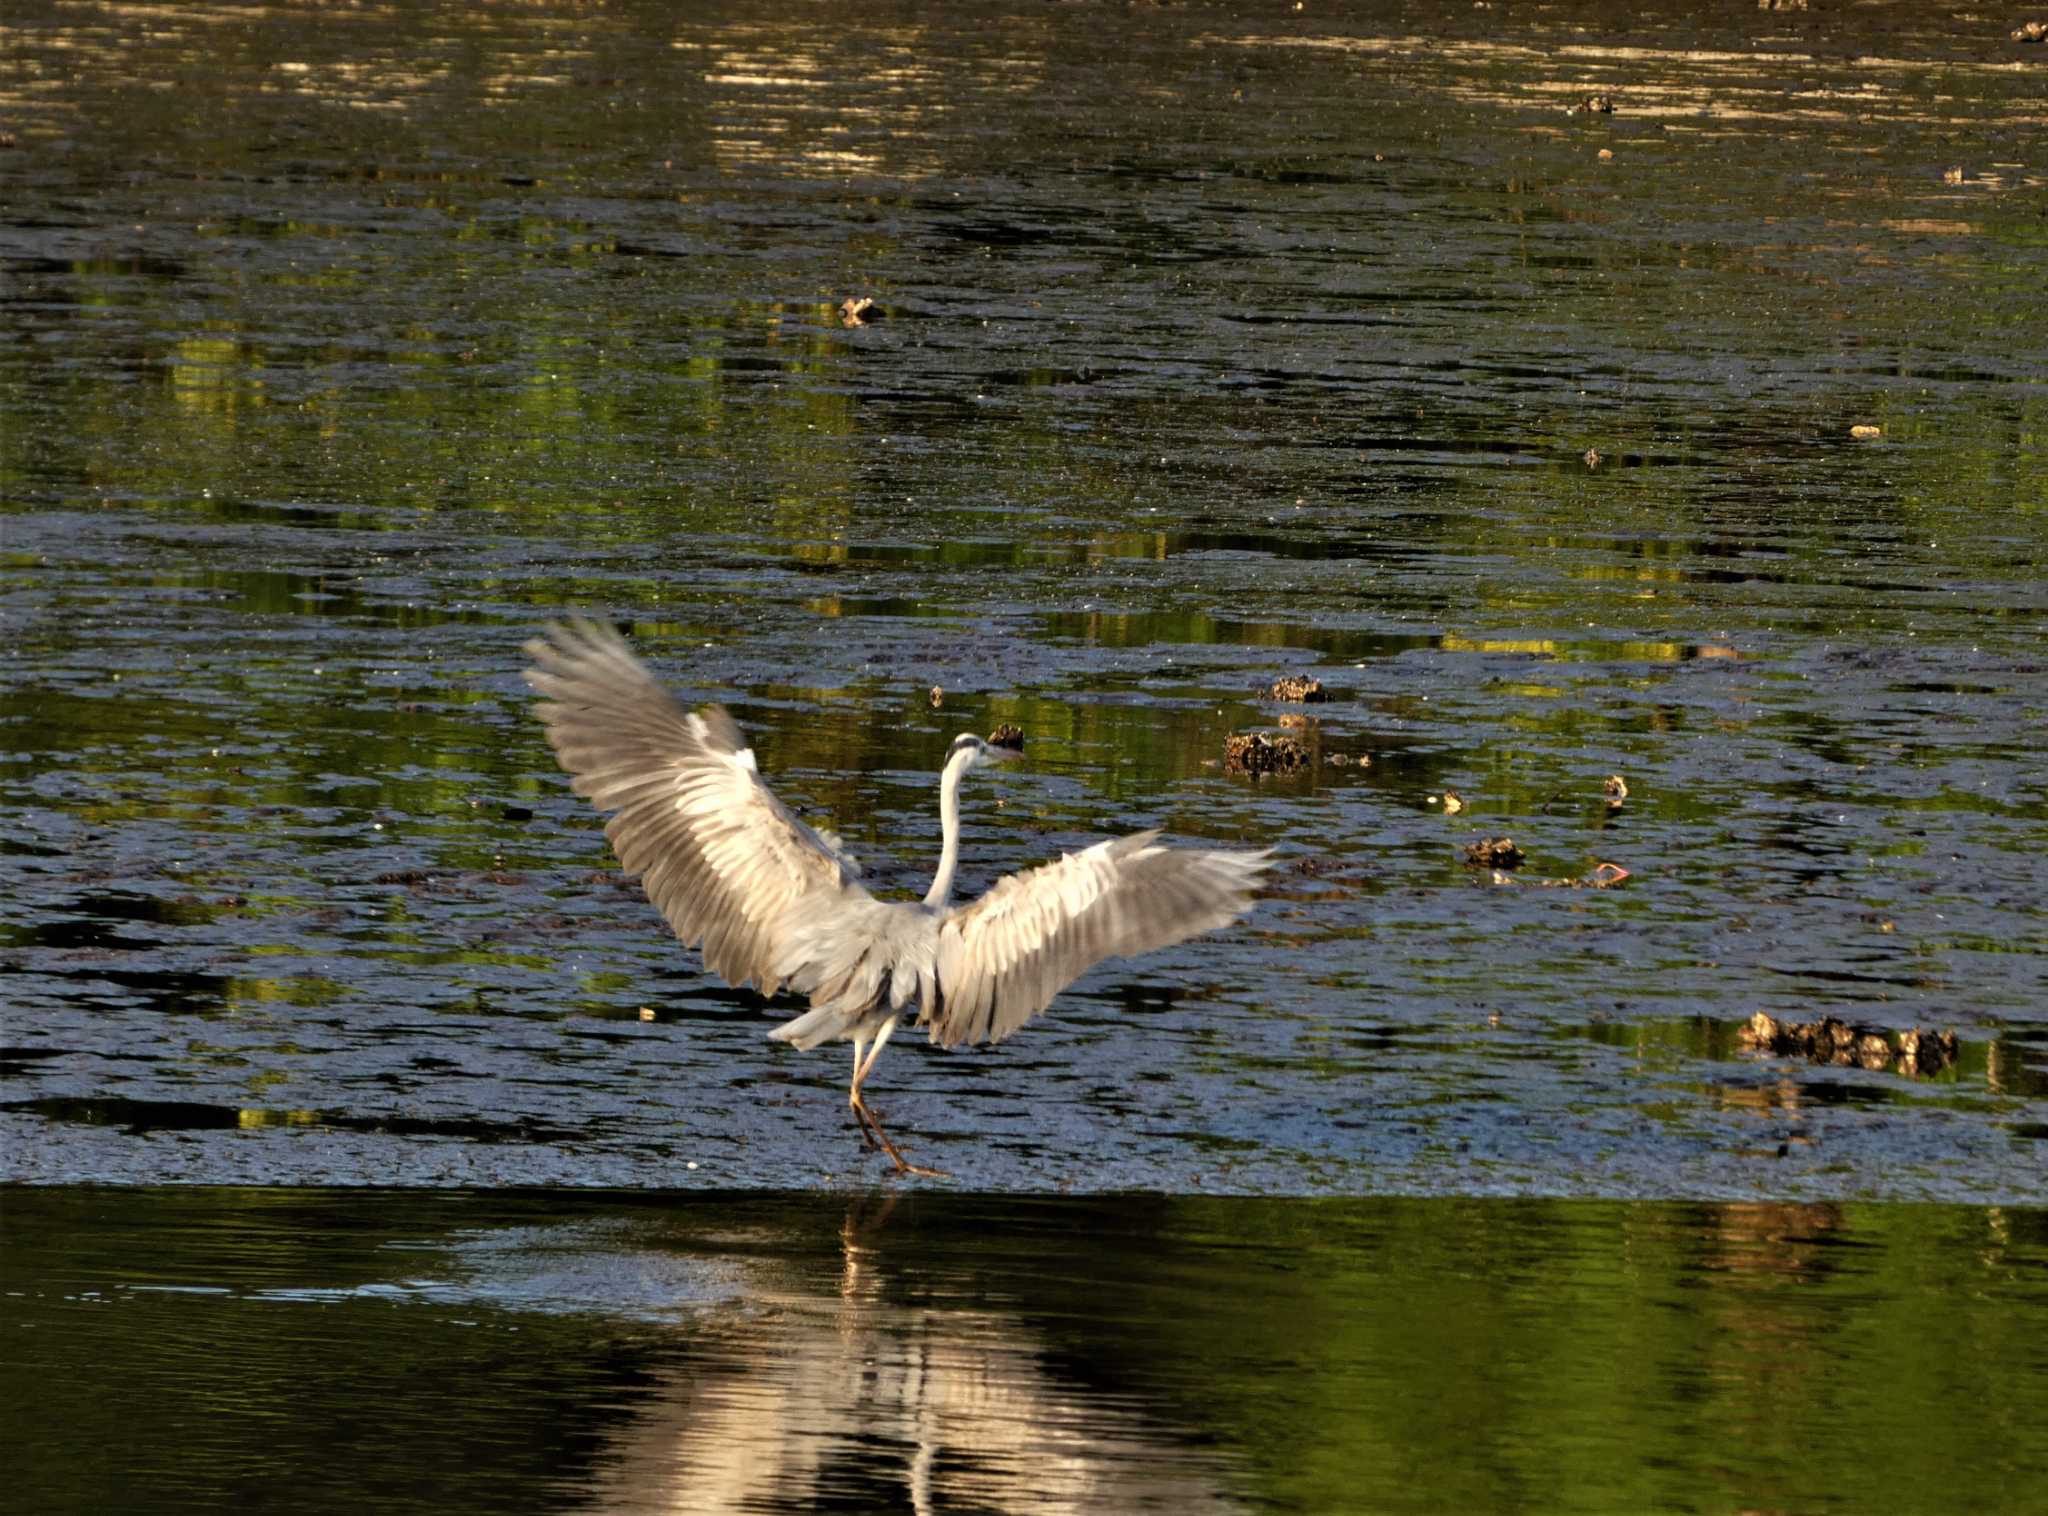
[[340, 348], [493, 1351]]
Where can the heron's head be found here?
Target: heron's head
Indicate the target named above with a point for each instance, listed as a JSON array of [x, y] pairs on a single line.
[[970, 751]]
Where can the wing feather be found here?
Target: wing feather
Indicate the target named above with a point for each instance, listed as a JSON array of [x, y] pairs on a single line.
[[720, 857], [1002, 959]]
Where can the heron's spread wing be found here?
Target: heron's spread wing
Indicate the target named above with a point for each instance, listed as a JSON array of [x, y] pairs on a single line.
[[723, 859], [1003, 958]]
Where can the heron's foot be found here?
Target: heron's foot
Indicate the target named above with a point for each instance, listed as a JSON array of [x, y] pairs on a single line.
[[872, 1127]]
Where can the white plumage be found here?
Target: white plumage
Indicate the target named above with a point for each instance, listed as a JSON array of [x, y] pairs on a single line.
[[779, 905]]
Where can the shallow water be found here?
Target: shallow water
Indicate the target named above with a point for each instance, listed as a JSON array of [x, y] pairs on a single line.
[[1216, 348], [462, 1351]]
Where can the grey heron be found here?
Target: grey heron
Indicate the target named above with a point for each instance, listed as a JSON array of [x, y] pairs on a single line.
[[777, 904]]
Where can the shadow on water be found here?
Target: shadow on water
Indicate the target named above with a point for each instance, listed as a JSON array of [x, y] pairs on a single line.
[[471, 1351]]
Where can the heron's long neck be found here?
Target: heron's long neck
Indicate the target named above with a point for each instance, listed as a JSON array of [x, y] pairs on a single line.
[[949, 828]]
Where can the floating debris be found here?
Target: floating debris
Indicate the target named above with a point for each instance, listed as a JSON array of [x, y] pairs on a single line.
[[938, 696], [1009, 735], [1952, 175], [1256, 754], [1300, 689], [1591, 458], [859, 311], [2031, 31], [1603, 876], [1450, 800], [1926, 1052], [1345, 760], [1831, 1040], [1606, 154], [1615, 788], [1592, 105], [1866, 432], [1494, 853]]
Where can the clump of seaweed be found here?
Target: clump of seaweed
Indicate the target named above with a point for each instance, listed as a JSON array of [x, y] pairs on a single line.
[[1493, 853], [1256, 754], [1834, 1041], [1300, 689]]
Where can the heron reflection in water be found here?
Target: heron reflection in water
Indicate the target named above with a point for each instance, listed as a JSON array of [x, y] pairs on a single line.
[[779, 905], [926, 1368]]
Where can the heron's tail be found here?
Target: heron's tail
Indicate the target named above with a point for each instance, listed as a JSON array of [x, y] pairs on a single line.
[[819, 1024], [858, 959]]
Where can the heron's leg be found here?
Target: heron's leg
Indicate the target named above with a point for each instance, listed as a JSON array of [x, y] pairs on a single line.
[[860, 1111], [861, 1066], [868, 1120], [871, 1136]]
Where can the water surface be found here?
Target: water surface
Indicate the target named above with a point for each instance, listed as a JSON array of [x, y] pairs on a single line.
[[463, 1351]]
